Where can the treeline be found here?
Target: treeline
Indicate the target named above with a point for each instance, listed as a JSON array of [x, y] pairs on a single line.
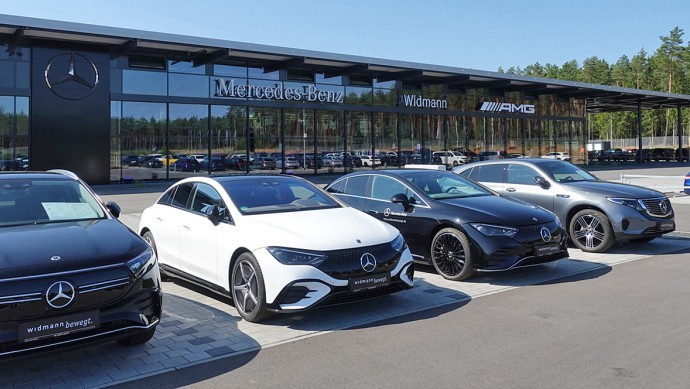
[[666, 70]]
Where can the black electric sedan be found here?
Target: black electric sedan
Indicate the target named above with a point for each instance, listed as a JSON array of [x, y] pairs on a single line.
[[454, 223], [70, 272]]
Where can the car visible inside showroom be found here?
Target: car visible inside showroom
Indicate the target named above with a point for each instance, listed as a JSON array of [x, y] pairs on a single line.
[[260, 240], [70, 271], [597, 213], [453, 223]]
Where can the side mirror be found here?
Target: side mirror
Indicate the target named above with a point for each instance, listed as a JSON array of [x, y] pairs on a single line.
[[541, 181], [213, 214], [113, 208], [401, 198]]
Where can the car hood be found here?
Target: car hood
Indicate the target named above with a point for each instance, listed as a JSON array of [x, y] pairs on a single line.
[[325, 229], [499, 210], [611, 189], [33, 249]]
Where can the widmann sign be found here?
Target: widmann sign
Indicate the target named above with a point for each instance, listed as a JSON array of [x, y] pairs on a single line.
[[490, 106], [228, 88]]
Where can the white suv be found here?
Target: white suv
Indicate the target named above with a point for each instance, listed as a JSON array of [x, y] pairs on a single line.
[[450, 158], [557, 155]]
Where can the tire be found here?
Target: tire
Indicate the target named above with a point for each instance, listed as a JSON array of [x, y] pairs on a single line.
[[248, 291], [590, 231], [451, 254], [139, 337]]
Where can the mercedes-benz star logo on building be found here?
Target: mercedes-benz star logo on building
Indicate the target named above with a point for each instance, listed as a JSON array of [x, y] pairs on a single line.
[[71, 76], [368, 262], [545, 235], [60, 294]]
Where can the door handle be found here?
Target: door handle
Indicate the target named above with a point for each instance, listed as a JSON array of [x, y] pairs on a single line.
[[186, 227], [372, 211], [510, 190]]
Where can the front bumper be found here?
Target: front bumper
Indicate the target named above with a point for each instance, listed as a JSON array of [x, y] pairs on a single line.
[[137, 309], [293, 288], [506, 253], [628, 223]]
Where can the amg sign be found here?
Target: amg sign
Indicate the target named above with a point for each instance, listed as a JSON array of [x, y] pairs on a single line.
[[489, 106]]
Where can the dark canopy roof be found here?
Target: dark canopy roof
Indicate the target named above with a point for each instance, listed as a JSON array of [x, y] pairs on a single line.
[[17, 31]]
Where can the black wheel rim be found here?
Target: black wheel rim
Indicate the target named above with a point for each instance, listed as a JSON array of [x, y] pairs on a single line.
[[588, 232], [448, 254], [245, 288]]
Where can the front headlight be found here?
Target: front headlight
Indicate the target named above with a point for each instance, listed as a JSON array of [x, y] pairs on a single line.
[[297, 257], [398, 243], [140, 264], [632, 203], [491, 230]]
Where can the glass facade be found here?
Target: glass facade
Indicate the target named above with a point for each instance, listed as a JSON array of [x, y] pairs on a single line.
[[234, 119]]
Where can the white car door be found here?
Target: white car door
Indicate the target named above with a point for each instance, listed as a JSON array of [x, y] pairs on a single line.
[[165, 224], [199, 236]]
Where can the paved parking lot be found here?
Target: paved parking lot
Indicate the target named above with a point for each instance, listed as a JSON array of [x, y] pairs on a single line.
[[199, 326]]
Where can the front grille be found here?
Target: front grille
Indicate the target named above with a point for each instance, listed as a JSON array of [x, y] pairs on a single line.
[[529, 235], [343, 264], [656, 206], [25, 298]]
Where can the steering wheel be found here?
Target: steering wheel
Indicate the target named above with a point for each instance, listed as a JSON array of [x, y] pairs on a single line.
[[451, 189], [568, 178]]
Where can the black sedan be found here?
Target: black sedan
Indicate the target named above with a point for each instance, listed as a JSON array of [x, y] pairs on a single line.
[[70, 272], [454, 223]]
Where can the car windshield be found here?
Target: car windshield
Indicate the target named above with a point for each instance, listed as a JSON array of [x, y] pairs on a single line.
[[566, 172], [258, 195], [39, 201], [444, 185]]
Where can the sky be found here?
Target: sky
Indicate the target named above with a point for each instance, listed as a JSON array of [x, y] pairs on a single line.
[[483, 35]]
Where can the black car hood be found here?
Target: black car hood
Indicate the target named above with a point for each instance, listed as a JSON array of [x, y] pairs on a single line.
[[499, 210], [33, 249], [612, 189]]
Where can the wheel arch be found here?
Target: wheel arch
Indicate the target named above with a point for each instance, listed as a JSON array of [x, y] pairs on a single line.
[[572, 211], [236, 254]]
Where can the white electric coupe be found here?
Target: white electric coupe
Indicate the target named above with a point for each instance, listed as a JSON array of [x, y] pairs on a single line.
[[274, 244]]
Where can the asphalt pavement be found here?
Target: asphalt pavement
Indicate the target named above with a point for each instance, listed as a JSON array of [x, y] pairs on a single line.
[[588, 321]]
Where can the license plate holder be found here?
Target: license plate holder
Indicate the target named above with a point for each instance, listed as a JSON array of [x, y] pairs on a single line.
[[666, 225], [57, 326], [370, 281], [543, 250]]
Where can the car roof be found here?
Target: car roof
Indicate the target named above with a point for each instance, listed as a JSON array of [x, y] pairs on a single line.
[[34, 175]]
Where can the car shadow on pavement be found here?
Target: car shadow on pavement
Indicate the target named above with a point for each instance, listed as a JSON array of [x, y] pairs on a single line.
[[367, 313], [192, 333]]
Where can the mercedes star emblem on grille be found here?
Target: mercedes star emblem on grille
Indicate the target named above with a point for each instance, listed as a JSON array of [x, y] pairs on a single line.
[[545, 235], [368, 262], [664, 208], [60, 294]]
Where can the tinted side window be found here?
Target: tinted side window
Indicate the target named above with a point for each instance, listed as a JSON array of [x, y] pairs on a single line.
[[468, 173], [167, 197], [521, 175], [337, 187], [206, 197], [383, 188], [356, 186], [489, 173], [181, 196]]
